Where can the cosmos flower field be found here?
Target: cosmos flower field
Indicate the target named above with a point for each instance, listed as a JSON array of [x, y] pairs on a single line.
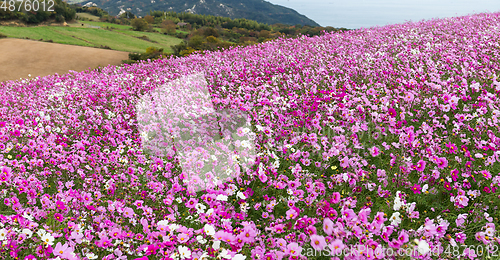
[[359, 145]]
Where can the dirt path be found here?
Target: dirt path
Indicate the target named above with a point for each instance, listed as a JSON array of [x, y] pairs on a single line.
[[18, 58]]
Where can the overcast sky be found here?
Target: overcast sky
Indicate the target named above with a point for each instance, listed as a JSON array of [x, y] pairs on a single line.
[[355, 14]]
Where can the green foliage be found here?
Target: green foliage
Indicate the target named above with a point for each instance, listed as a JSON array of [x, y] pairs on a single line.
[[212, 39], [3, 35], [156, 13], [139, 24], [92, 10], [149, 19], [195, 41], [212, 21], [210, 32], [151, 53], [62, 12], [128, 15]]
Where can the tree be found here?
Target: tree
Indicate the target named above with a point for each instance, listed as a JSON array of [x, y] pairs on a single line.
[[168, 27], [195, 41], [210, 32], [128, 15], [157, 13], [212, 39], [149, 19], [264, 34], [139, 24]]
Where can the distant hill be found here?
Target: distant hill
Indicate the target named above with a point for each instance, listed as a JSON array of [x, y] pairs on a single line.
[[257, 10]]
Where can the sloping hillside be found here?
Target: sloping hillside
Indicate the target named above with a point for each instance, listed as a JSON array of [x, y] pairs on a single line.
[[258, 10]]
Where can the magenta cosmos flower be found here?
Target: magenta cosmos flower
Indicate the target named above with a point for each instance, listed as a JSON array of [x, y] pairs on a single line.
[[375, 151], [420, 166]]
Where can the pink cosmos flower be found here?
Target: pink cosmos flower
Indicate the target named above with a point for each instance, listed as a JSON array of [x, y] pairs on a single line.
[[76, 236], [60, 205], [291, 214], [470, 253], [447, 185], [392, 112], [192, 203], [420, 166], [348, 214], [293, 249], [318, 242], [442, 162], [460, 237], [452, 148], [128, 212], [462, 201], [486, 174], [460, 219], [281, 243], [248, 235], [416, 188], [357, 231], [335, 198], [454, 174], [63, 251], [375, 151], [363, 215], [328, 226], [336, 246], [58, 217], [379, 218]]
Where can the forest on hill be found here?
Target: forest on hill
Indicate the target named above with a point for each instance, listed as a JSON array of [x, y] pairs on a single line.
[[257, 10]]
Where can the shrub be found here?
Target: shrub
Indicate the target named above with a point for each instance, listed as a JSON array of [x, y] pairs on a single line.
[[139, 24]]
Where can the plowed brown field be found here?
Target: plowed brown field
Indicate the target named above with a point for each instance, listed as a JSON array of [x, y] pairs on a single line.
[[18, 58]]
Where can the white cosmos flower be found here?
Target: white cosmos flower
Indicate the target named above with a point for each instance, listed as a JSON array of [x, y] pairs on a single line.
[[239, 257], [397, 203], [216, 245], [201, 240], [395, 219], [48, 238], [221, 197], [241, 195], [225, 254], [173, 227], [91, 256], [200, 207], [209, 230], [28, 232], [184, 252], [163, 223], [425, 187], [3, 234], [423, 247]]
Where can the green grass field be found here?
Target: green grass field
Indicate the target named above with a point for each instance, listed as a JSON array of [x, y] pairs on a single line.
[[88, 16], [117, 37]]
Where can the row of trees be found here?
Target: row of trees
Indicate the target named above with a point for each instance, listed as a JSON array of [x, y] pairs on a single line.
[[62, 12], [207, 32]]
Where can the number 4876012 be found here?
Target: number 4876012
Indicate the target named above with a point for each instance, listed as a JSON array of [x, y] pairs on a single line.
[[27, 5]]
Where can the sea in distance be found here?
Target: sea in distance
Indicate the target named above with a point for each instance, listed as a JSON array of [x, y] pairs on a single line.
[[355, 14]]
